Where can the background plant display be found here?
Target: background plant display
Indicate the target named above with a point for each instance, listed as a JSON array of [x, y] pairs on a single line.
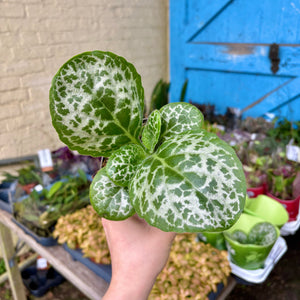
[[181, 179], [193, 271], [83, 229], [40, 210]]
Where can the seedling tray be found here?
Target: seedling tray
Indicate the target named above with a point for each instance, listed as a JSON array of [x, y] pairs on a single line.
[[7, 191], [101, 270], [5, 206], [45, 241], [39, 282]]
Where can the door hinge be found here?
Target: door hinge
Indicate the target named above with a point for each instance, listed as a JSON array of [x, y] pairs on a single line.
[[274, 57]]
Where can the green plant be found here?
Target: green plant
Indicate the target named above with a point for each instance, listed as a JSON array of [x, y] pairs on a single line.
[[281, 181], [284, 131], [29, 175], [171, 172], [2, 266], [183, 90], [263, 234], [7, 177], [40, 210], [160, 95]]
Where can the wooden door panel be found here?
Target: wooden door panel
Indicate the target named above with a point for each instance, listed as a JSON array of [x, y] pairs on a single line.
[[222, 48], [229, 89], [242, 58], [256, 21]]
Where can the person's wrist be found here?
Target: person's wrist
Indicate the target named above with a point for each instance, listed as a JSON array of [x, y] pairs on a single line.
[[126, 289]]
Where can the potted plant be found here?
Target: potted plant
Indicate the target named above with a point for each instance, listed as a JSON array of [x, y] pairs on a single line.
[[250, 240], [40, 210], [254, 166], [171, 172], [283, 186], [28, 177]]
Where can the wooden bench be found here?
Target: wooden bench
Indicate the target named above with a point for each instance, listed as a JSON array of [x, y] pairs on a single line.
[[93, 286]]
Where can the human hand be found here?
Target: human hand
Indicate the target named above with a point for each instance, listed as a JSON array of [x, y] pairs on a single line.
[[138, 253]]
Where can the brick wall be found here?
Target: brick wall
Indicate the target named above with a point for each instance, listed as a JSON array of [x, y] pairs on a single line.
[[38, 36]]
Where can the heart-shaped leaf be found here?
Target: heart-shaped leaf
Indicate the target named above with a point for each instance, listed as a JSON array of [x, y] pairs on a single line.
[[179, 117], [97, 103], [109, 200], [123, 163], [263, 233], [239, 236], [194, 182], [151, 131]]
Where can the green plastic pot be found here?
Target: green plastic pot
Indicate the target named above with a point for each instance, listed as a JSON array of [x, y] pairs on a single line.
[[216, 239], [247, 256], [268, 209]]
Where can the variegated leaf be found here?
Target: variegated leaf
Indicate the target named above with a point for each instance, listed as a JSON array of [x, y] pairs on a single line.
[[263, 233], [123, 163], [151, 132], [97, 103], [109, 200], [177, 118], [194, 182], [239, 236]]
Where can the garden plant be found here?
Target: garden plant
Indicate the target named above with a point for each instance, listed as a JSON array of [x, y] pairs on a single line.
[[170, 171]]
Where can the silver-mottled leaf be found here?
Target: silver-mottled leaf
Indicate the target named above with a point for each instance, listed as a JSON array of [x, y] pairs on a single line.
[[194, 182], [179, 117], [239, 236], [97, 103], [151, 132], [123, 163], [109, 200], [263, 233]]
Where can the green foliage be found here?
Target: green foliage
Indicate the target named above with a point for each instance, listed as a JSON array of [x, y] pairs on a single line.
[[151, 132], [183, 91], [9, 177], [2, 266], [29, 175], [239, 236], [108, 199], [41, 210], [160, 95], [175, 175], [97, 103], [262, 234], [284, 131], [280, 181]]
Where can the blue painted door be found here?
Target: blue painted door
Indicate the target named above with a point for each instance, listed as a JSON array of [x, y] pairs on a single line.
[[224, 49]]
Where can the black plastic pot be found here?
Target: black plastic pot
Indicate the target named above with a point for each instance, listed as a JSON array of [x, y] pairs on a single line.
[[38, 282]]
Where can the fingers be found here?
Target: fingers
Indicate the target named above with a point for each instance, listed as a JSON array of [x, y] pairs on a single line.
[[133, 227]]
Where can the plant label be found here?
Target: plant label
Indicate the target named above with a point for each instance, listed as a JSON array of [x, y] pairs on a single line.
[[293, 153], [45, 160]]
